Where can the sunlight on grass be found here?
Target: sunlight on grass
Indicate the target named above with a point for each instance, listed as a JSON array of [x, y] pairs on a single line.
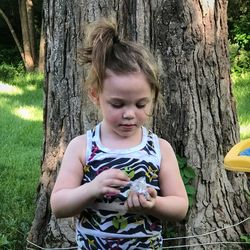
[[9, 89], [245, 131], [241, 90], [20, 150], [31, 87], [28, 113]]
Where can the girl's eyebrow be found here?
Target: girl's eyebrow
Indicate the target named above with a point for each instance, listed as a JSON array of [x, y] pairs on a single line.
[[146, 99]]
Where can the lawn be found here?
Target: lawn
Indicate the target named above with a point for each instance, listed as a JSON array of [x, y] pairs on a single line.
[[241, 90], [20, 150]]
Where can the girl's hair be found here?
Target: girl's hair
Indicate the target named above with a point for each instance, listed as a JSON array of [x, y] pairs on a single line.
[[106, 50]]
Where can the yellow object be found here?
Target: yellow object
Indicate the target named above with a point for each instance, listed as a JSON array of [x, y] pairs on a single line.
[[234, 161]]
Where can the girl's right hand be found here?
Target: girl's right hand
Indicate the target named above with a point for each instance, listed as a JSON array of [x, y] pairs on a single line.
[[108, 182]]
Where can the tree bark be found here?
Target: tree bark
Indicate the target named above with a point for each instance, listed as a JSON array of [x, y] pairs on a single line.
[[29, 60], [41, 60], [30, 20], [189, 40], [192, 41]]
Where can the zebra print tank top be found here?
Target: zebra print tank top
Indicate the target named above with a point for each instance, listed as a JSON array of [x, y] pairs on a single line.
[[106, 218]]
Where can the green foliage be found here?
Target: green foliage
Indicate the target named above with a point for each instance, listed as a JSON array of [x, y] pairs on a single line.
[[9, 72], [239, 22], [3, 241], [188, 175], [16, 75], [10, 56], [239, 59], [239, 37], [245, 238]]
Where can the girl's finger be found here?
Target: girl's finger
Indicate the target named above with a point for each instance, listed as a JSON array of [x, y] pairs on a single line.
[[152, 192]]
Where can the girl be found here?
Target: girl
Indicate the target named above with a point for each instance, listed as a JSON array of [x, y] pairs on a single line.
[[119, 179]]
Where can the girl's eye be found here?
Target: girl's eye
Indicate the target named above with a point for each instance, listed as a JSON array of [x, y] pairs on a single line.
[[116, 105], [140, 105]]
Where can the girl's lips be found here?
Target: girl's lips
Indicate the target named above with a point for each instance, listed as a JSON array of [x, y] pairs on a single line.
[[128, 126]]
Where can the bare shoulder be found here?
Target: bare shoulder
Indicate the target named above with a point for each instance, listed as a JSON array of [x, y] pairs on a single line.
[[77, 147], [170, 178], [165, 146], [70, 174], [168, 157]]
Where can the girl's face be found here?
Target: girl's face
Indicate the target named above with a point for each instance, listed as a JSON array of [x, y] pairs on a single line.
[[125, 103]]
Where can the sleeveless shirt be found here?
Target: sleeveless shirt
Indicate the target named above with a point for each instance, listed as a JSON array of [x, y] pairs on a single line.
[[106, 218]]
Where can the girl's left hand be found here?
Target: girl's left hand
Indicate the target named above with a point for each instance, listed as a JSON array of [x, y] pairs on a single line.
[[138, 203]]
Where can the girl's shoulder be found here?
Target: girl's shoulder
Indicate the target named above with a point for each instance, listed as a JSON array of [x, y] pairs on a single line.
[[78, 140], [165, 146], [77, 147]]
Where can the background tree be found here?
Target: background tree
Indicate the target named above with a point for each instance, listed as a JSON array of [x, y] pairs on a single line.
[[190, 41], [24, 21]]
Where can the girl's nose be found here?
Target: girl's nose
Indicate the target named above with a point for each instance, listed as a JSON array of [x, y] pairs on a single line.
[[128, 114]]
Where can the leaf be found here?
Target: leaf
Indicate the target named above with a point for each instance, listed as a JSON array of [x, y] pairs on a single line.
[[185, 180], [3, 240], [115, 223], [189, 172], [190, 189], [124, 223], [190, 201], [181, 162], [245, 238]]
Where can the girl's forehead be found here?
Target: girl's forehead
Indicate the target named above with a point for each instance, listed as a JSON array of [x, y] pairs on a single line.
[[129, 86], [126, 77]]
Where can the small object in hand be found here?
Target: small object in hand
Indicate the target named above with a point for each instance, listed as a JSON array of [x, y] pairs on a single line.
[[140, 186]]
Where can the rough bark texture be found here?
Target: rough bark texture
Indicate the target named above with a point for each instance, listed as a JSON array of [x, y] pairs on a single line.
[[29, 60], [189, 39], [31, 28], [41, 60], [192, 41]]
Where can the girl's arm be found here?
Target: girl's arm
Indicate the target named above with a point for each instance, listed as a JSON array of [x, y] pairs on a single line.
[[172, 205], [69, 197], [173, 202]]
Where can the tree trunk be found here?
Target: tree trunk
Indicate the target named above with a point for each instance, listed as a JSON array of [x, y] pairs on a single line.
[[190, 41], [30, 20], [29, 60], [41, 50]]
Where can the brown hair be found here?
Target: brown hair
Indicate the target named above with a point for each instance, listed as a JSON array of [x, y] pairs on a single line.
[[105, 50]]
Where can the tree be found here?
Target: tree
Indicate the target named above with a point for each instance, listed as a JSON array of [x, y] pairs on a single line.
[[26, 18], [29, 23], [190, 41]]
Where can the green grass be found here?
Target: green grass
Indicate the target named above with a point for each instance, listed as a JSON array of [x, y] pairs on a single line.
[[241, 90], [20, 152]]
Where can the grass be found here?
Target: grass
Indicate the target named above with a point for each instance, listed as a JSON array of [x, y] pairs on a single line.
[[241, 90], [20, 150]]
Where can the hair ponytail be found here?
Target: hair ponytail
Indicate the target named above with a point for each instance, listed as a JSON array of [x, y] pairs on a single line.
[[101, 36]]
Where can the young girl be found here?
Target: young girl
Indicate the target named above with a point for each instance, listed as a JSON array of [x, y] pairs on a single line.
[[119, 179]]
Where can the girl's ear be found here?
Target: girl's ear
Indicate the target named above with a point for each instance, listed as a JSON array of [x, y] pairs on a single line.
[[94, 96]]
